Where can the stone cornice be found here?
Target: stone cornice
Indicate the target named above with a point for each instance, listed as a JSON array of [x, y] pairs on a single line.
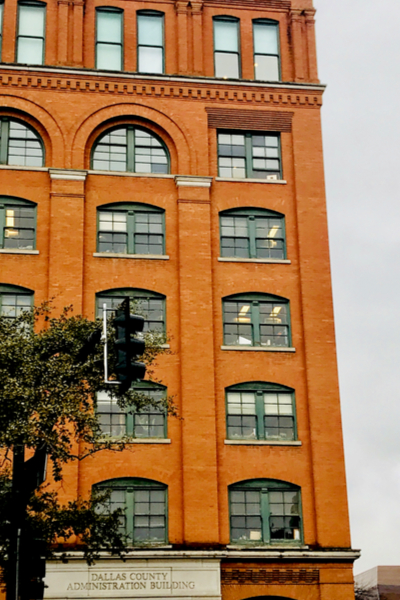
[[186, 88]]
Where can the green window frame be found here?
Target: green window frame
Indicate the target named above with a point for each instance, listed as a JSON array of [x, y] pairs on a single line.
[[17, 223], [1, 25], [144, 503], [109, 38], [227, 63], [150, 305], [256, 319], [130, 149], [20, 144], [14, 300], [125, 228], [266, 50], [148, 423], [151, 45], [252, 233], [259, 410], [265, 511], [31, 36], [254, 155]]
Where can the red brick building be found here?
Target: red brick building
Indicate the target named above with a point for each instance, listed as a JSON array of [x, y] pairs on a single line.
[[171, 152]]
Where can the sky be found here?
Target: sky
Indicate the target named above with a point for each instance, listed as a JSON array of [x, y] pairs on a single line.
[[359, 59]]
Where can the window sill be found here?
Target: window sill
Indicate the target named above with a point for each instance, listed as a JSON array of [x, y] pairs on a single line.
[[16, 251], [134, 256], [129, 174], [22, 168], [117, 440], [278, 261], [268, 547], [261, 443], [258, 348], [249, 180]]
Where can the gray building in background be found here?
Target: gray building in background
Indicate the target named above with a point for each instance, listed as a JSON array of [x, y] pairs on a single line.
[[382, 582]]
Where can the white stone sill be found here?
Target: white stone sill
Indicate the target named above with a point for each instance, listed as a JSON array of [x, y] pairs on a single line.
[[139, 441], [22, 168], [129, 174], [272, 261], [267, 547], [260, 443], [249, 180], [134, 256], [16, 251], [258, 348]]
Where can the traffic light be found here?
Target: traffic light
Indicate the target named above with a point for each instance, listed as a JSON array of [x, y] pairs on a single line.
[[127, 347], [33, 567]]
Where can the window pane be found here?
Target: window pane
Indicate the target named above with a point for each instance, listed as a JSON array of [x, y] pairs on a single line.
[[226, 65], [266, 68], [30, 50], [24, 146], [111, 151], [150, 59], [226, 35], [12, 305], [31, 20], [265, 38], [246, 524], [19, 231], [150, 30], [238, 329], [109, 27], [109, 56]]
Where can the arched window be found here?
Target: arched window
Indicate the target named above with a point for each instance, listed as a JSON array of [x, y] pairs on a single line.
[[150, 49], [19, 144], [148, 304], [31, 32], [125, 228], [130, 148], [149, 422], [265, 511], [266, 50], [17, 223], [144, 506], [256, 319], [109, 38], [227, 47], [252, 233], [260, 411], [14, 299]]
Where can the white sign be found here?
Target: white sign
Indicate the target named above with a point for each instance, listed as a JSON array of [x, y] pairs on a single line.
[[134, 579]]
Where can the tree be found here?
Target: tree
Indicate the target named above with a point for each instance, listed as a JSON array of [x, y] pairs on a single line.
[[363, 593], [48, 393]]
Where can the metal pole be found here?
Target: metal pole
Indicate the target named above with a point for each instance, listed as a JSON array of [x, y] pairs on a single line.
[[17, 521]]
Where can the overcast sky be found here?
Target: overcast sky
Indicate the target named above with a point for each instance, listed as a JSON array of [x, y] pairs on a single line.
[[359, 59]]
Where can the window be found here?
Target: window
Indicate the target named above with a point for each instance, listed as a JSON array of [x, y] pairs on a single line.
[[17, 223], [148, 304], [144, 504], [256, 320], [31, 32], [1, 24], [19, 144], [260, 411], [226, 47], [130, 229], [14, 300], [150, 422], [150, 51], [130, 149], [255, 155], [109, 38], [265, 511], [252, 233], [266, 50]]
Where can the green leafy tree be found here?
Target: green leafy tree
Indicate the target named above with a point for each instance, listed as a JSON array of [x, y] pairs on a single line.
[[48, 397]]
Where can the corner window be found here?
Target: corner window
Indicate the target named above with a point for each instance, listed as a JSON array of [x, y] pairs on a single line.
[[226, 47], [144, 506], [148, 304], [14, 300], [265, 511], [266, 50], [252, 233], [130, 149], [256, 320], [147, 423], [109, 38], [150, 50], [130, 229], [31, 33], [17, 223], [19, 144], [252, 155], [260, 411]]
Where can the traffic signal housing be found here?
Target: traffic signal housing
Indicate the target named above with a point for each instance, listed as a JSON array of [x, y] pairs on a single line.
[[127, 347]]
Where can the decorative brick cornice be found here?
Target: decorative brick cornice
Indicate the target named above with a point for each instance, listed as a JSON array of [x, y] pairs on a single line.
[[233, 93], [282, 5], [254, 576], [256, 120], [181, 6]]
